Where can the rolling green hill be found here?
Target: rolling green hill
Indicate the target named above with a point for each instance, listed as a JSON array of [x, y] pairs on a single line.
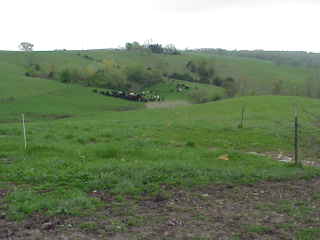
[[100, 144], [255, 76], [44, 99], [135, 152]]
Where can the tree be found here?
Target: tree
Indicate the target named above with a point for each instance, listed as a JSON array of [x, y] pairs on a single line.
[[26, 46], [156, 48], [171, 50], [128, 46], [203, 68], [66, 76], [204, 95], [133, 46], [138, 74], [230, 85], [217, 81], [277, 87]]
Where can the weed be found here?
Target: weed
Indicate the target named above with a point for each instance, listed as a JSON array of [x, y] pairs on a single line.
[[258, 229], [308, 234], [316, 196], [108, 153], [135, 221], [89, 226], [69, 136], [27, 202], [190, 144]]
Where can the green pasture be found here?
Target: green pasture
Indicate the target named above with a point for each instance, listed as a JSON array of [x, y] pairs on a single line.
[[79, 142], [139, 152]]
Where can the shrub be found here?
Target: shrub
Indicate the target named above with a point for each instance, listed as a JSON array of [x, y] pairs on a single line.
[[140, 75], [203, 68], [65, 76], [204, 95], [231, 87], [182, 76], [217, 82], [190, 144]]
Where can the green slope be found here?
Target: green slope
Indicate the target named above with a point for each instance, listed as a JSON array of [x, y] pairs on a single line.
[[139, 152], [255, 76], [42, 98]]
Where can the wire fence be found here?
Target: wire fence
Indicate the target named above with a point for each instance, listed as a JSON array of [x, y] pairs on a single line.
[[301, 131]]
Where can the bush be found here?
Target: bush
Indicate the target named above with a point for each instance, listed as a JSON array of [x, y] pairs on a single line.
[[203, 68], [204, 95], [66, 76], [217, 82], [231, 87], [182, 76], [140, 75]]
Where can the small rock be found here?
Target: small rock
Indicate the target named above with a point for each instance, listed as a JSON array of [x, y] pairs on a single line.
[[35, 234], [220, 201], [174, 222], [284, 160], [47, 226], [278, 219]]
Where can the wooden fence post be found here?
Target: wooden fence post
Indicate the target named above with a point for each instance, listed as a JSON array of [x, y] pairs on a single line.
[[24, 132], [296, 138], [243, 109]]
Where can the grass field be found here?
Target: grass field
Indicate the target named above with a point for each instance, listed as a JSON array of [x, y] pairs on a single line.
[[83, 147], [136, 152], [255, 77]]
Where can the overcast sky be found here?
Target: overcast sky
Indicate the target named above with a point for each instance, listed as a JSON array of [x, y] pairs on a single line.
[[230, 24]]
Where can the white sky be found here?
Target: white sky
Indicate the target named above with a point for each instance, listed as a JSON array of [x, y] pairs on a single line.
[[230, 24]]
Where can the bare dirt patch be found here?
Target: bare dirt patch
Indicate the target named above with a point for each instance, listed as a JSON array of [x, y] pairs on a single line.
[[266, 210], [286, 157]]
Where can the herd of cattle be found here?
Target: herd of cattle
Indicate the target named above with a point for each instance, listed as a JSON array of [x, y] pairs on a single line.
[[145, 96]]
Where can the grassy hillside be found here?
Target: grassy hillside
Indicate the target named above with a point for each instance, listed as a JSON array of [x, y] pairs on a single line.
[[255, 77], [95, 146], [168, 89], [47, 99], [139, 151], [42, 99]]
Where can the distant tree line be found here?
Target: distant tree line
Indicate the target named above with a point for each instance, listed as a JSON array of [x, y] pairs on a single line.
[[152, 48], [106, 74], [293, 58]]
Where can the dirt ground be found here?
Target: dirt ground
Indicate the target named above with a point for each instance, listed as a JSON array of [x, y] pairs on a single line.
[[266, 210]]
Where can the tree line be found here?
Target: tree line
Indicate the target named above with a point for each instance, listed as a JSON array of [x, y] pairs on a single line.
[[293, 58], [106, 74], [151, 47]]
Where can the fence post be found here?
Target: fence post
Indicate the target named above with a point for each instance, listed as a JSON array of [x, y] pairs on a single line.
[[296, 139], [243, 109], [24, 132]]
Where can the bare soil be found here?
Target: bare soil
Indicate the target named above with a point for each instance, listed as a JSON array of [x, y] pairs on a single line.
[[265, 210]]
